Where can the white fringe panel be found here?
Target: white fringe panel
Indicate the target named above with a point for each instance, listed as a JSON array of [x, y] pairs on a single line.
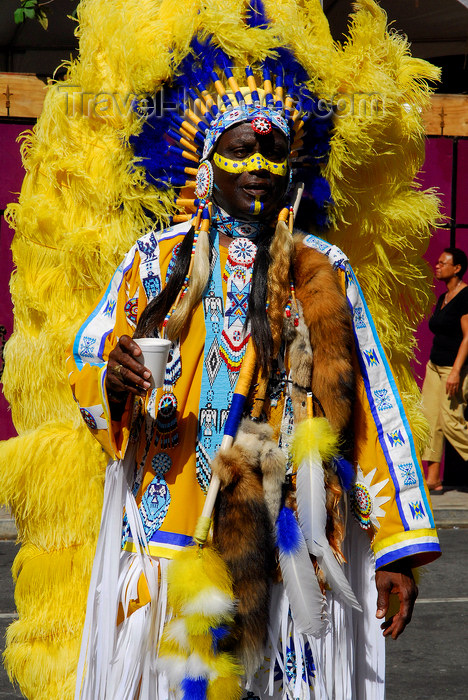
[[349, 657], [119, 662]]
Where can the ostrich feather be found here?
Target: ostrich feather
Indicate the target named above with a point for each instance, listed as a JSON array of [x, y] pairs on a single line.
[[317, 435], [302, 588]]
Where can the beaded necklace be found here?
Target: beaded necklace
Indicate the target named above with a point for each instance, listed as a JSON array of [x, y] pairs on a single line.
[[227, 334], [234, 228]]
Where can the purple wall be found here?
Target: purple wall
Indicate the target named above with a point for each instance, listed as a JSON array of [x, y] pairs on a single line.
[[11, 177], [438, 172]]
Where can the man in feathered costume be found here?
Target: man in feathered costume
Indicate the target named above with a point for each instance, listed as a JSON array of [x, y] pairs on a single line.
[[231, 147]]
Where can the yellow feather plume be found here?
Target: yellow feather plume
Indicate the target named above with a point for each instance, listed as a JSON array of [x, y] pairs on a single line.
[[201, 597], [312, 435]]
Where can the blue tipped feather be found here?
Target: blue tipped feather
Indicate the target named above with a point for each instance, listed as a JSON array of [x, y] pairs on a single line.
[[256, 16], [194, 688], [288, 535], [345, 471]]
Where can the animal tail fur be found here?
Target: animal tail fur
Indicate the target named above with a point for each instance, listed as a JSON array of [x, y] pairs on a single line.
[[244, 536]]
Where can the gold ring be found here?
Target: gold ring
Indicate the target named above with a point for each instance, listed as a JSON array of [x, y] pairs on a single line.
[[117, 369]]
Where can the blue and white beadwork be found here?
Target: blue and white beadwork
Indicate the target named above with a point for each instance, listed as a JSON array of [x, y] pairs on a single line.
[[204, 180], [225, 343]]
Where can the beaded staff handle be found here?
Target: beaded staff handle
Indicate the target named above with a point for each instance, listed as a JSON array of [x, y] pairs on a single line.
[[232, 423]]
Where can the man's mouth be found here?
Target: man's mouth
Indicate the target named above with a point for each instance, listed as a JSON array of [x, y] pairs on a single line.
[[256, 189]]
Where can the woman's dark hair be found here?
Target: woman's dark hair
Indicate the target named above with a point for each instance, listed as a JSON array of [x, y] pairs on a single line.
[[156, 311], [459, 258]]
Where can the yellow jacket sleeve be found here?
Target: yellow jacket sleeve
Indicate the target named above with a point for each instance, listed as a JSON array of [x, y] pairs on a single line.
[[115, 314]]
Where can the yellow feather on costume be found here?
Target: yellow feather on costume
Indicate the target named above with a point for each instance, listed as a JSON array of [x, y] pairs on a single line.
[[83, 203], [200, 594], [184, 584], [314, 434]]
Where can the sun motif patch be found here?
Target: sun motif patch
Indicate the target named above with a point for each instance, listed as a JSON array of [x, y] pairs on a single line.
[[131, 310], [261, 125], [365, 501]]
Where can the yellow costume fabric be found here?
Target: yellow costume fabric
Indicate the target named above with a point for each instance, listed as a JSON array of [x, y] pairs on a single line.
[[87, 382], [389, 499]]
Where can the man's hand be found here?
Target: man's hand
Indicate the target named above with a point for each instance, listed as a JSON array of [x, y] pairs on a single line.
[[395, 578], [124, 373]]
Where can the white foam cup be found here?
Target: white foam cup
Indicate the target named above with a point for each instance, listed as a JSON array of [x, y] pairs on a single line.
[[154, 354]]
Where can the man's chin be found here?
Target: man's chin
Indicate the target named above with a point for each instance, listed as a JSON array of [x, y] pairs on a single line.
[[244, 211]]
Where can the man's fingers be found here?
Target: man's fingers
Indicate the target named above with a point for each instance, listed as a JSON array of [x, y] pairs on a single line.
[[391, 628], [401, 582], [395, 625], [123, 360], [125, 367], [382, 602], [129, 346], [122, 378]]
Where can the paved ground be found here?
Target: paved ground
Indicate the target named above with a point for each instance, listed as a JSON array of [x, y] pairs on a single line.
[[430, 660]]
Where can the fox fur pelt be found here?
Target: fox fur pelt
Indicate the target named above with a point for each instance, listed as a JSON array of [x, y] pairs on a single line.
[[251, 474], [252, 471], [328, 321]]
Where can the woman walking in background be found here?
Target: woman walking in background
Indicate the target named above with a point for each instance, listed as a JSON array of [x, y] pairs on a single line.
[[445, 389]]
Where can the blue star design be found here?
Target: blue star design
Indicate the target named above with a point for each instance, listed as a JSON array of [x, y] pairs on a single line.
[[371, 357], [408, 474], [239, 299], [417, 510], [87, 346], [383, 403], [359, 318]]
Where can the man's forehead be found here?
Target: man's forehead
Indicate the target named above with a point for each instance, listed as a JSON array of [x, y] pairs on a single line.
[[245, 133], [262, 120]]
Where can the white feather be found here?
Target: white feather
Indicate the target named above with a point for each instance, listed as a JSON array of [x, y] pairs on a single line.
[[175, 667], [197, 668], [210, 601], [312, 515], [176, 631], [303, 590]]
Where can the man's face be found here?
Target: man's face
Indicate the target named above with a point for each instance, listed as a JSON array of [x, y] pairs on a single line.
[[236, 192]]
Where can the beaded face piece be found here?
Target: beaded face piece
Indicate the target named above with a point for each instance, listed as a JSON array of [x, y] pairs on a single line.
[[204, 180], [261, 118]]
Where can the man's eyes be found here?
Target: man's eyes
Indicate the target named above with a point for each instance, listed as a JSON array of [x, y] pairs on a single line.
[[275, 155], [239, 154]]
